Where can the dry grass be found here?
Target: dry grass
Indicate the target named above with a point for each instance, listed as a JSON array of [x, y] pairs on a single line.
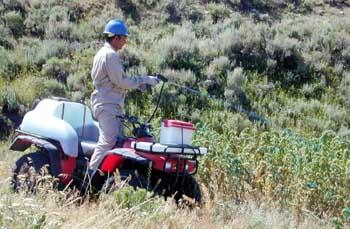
[[54, 209], [51, 211]]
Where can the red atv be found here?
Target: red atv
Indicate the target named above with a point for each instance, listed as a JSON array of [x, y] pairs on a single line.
[[65, 135]]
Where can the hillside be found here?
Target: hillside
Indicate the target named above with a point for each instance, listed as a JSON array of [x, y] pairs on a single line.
[[274, 78]]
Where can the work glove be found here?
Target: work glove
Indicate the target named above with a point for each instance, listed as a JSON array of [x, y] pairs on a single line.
[[151, 80]]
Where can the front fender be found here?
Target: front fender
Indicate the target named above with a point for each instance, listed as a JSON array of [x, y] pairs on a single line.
[[119, 157], [129, 154]]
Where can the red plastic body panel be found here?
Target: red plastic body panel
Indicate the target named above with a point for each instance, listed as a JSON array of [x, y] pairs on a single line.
[[114, 160], [111, 162], [67, 168], [145, 140], [66, 163], [158, 160], [192, 166], [178, 124]]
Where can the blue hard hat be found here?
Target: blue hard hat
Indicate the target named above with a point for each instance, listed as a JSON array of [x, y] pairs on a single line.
[[116, 27]]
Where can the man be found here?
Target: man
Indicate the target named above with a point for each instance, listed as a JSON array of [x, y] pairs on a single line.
[[111, 85]]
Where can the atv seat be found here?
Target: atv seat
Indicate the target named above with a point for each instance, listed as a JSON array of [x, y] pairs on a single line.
[[80, 118]]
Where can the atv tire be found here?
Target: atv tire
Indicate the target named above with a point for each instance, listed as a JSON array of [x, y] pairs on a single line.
[[28, 171], [189, 187], [185, 190]]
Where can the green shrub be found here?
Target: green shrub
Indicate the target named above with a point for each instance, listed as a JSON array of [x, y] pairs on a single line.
[[8, 96], [37, 20], [177, 11], [218, 12], [80, 66], [343, 132], [231, 44], [59, 26], [328, 47], [55, 48], [84, 32], [344, 89], [236, 79], [11, 63], [130, 57], [15, 22], [50, 88], [79, 96], [25, 90], [180, 51], [216, 75], [285, 62], [149, 4], [136, 71], [307, 108], [336, 117], [235, 96], [183, 77], [75, 10], [77, 85], [208, 49], [129, 9], [99, 19], [219, 66], [56, 68], [315, 90], [254, 46], [139, 199], [89, 30], [16, 5], [36, 52], [77, 81], [6, 39], [4, 63], [32, 52]]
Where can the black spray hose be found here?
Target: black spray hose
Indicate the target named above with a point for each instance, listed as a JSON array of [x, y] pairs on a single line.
[[162, 78]]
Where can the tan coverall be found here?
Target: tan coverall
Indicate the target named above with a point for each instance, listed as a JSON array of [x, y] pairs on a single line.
[[111, 85]]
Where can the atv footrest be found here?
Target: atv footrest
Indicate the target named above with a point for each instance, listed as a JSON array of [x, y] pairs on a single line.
[[168, 149]]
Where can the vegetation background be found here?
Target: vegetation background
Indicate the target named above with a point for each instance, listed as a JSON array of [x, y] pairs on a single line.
[[275, 79]]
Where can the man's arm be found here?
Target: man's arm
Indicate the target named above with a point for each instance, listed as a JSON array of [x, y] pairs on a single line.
[[117, 76]]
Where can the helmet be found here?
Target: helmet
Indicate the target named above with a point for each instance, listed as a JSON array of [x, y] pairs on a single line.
[[116, 27]]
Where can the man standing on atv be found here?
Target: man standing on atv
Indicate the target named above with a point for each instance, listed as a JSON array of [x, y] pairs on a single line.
[[111, 85]]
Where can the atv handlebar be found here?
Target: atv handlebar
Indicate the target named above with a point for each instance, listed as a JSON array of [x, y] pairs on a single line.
[[139, 129], [132, 119]]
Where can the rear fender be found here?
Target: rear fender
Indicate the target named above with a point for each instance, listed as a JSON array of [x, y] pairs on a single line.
[[61, 165], [23, 142]]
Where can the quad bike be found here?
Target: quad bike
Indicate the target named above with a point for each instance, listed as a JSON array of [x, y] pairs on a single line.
[[65, 136]]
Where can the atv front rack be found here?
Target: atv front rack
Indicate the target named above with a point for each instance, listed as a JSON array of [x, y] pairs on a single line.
[[168, 149]]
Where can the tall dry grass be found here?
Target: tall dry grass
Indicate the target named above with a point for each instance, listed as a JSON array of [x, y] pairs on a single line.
[[50, 208]]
